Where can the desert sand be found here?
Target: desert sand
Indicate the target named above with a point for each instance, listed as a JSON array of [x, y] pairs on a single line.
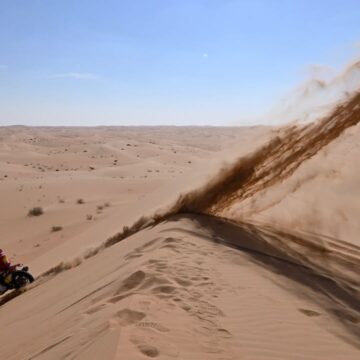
[[187, 243]]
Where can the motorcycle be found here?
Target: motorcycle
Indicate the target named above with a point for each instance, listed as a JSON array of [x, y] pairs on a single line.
[[15, 279]]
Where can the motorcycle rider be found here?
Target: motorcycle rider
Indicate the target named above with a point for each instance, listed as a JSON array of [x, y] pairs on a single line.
[[5, 266], [4, 262]]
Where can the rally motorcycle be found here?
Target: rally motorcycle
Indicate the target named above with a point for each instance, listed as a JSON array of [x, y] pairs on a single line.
[[15, 279]]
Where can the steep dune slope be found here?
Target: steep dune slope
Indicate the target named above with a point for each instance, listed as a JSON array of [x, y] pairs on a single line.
[[176, 291]]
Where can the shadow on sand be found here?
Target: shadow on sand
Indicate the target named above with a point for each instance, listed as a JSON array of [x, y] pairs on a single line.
[[339, 301]]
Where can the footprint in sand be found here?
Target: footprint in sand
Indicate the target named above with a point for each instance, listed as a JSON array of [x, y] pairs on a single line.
[[147, 245], [183, 282], [166, 289], [131, 282], [170, 240], [133, 256], [310, 313], [158, 265], [128, 317], [140, 281], [118, 298], [152, 325], [95, 309], [186, 307], [154, 280], [148, 350], [172, 248], [139, 251], [224, 333], [159, 346]]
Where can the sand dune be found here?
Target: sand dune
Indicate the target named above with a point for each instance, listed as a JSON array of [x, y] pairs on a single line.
[[260, 261], [168, 292]]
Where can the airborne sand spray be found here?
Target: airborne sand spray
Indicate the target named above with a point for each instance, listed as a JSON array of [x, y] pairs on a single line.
[[313, 99]]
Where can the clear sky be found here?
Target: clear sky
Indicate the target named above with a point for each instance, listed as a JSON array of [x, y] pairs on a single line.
[[148, 62]]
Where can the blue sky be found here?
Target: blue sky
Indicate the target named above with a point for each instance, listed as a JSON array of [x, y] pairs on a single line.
[[149, 62]]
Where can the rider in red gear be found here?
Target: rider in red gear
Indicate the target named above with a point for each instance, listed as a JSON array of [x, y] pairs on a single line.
[[5, 264], [5, 267]]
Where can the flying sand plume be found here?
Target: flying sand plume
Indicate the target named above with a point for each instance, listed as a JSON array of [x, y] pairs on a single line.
[[313, 98]]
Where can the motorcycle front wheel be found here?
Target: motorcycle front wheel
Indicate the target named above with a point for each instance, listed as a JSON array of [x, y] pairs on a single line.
[[21, 279]]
